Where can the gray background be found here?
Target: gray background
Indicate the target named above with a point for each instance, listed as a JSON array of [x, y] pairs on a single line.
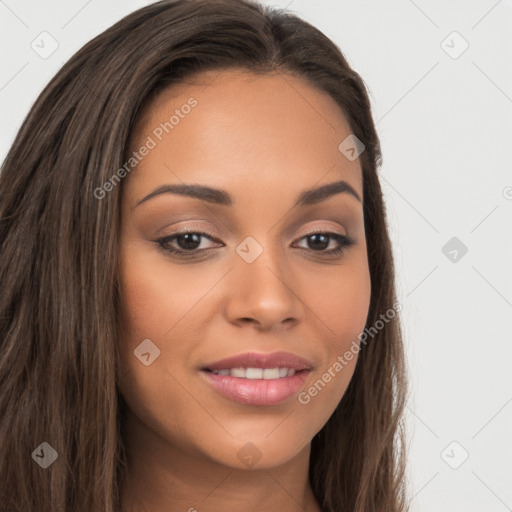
[[444, 116]]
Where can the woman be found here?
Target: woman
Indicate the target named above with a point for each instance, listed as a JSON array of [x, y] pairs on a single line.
[[198, 307]]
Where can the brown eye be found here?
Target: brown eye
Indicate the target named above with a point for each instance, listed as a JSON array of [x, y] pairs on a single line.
[[186, 243], [318, 242]]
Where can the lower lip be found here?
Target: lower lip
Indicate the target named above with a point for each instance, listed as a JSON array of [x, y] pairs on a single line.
[[257, 391]]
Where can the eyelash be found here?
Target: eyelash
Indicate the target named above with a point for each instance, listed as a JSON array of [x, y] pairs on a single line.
[[344, 242]]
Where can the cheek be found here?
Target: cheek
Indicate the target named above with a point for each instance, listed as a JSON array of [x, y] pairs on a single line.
[[341, 301], [348, 314], [144, 296], [154, 301], [164, 303], [149, 308], [154, 296]]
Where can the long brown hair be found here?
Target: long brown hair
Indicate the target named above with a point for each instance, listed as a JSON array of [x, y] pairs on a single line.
[[59, 261]]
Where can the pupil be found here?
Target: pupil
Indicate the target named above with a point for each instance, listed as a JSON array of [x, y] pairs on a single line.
[[188, 236], [315, 238]]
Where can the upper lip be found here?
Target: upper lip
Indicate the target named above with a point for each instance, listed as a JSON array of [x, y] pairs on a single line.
[[258, 360]]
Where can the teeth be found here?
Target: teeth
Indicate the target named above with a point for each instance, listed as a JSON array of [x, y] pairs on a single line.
[[238, 372], [270, 373], [257, 373], [254, 373]]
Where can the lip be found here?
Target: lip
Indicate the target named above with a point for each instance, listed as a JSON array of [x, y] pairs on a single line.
[[256, 391], [262, 392], [259, 360]]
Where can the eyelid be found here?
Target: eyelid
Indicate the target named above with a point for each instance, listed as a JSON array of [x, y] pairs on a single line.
[[323, 229], [205, 231], [190, 227]]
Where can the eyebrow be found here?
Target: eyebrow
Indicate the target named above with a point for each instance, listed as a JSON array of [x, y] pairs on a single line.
[[221, 197]]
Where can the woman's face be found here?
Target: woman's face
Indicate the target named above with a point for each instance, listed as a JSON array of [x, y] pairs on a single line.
[[262, 280]]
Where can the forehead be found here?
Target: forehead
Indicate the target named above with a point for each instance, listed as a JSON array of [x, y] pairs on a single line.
[[234, 127]]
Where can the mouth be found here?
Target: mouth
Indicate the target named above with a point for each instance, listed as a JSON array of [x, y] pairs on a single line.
[[258, 379], [255, 365], [257, 373]]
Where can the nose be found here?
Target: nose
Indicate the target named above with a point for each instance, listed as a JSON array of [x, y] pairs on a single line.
[[264, 293]]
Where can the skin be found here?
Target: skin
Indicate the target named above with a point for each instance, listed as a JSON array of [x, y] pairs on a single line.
[[264, 139]]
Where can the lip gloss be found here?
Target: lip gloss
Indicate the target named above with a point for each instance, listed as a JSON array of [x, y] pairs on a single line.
[[256, 391]]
